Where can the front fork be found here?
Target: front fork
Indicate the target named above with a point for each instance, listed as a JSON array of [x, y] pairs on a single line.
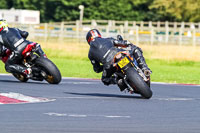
[[140, 72], [130, 89]]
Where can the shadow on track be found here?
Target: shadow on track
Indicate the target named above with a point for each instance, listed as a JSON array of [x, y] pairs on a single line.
[[104, 95]]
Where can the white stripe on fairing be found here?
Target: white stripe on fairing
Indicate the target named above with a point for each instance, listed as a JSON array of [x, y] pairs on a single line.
[[106, 54], [1, 40], [18, 42], [25, 98]]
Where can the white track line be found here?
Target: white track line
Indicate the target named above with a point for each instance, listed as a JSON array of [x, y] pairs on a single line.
[[85, 115]]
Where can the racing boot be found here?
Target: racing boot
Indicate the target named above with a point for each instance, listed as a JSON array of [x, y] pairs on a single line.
[[141, 62], [121, 84], [28, 72]]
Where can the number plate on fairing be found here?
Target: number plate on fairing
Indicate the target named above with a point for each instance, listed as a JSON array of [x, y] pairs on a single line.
[[122, 63]]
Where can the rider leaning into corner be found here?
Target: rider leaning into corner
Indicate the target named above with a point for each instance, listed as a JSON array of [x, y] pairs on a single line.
[[102, 52], [14, 40]]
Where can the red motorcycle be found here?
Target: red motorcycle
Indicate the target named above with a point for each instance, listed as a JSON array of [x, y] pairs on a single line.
[[42, 67]]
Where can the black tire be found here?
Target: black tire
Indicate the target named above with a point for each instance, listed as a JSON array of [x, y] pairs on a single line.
[[20, 77], [138, 84], [53, 74]]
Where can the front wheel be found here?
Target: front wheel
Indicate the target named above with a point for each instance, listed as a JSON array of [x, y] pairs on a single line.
[[48, 70], [137, 83]]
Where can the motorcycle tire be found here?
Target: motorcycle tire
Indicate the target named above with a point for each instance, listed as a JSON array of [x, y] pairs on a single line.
[[46, 65], [137, 83], [20, 77]]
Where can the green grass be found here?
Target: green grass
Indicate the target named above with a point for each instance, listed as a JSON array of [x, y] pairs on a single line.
[[75, 68], [163, 70], [175, 71]]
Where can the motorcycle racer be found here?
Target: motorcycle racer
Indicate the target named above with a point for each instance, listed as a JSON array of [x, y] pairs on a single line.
[[102, 52], [14, 40]]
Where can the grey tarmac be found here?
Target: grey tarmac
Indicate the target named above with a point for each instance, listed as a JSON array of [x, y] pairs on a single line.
[[87, 106]]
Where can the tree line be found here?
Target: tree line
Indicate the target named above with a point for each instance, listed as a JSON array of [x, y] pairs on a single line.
[[132, 10]]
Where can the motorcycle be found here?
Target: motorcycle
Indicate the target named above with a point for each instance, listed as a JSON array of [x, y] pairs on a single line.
[[127, 69], [42, 67]]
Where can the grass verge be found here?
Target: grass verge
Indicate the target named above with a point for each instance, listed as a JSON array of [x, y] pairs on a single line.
[[169, 63], [163, 70], [175, 71]]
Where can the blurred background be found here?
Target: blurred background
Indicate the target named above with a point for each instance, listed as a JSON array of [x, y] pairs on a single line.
[[167, 31]]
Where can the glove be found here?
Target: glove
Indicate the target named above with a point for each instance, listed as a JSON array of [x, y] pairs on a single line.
[[119, 37]]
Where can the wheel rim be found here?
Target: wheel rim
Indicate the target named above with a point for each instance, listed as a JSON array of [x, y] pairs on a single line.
[[20, 77], [50, 79]]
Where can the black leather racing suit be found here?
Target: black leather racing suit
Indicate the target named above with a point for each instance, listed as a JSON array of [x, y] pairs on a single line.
[[101, 54], [14, 40]]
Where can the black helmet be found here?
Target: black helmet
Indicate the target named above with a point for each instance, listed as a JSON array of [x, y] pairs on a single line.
[[92, 34]]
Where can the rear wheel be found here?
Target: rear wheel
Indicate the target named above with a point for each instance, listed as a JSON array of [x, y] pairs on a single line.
[[20, 77], [138, 84], [48, 70]]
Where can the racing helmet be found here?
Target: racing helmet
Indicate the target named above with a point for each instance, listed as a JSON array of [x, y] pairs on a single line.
[[3, 24], [94, 33]]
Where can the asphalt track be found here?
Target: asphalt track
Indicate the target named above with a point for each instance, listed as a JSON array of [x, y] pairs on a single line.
[[83, 106]]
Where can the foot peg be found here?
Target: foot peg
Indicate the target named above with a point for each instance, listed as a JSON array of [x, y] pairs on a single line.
[[147, 73]]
